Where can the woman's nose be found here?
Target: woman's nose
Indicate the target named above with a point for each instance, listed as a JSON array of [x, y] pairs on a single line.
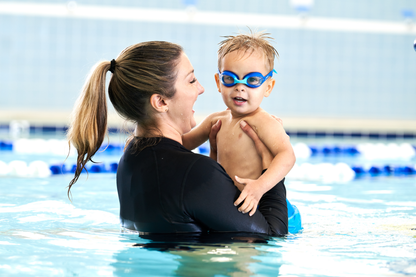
[[200, 89]]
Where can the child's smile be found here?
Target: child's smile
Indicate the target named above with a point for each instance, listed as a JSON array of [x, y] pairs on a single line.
[[239, 101]]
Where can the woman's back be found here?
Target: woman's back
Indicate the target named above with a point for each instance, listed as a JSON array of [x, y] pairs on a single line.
[[168, 189], [150, 187]]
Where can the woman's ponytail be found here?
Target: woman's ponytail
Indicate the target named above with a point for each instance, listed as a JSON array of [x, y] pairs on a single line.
[[89, 118]]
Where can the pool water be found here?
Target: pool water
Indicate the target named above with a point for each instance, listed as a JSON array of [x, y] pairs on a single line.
[[366, 227]]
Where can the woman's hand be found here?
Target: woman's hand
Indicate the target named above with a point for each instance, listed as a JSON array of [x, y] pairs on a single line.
[[213, 140], [278, 119], [262, 150]]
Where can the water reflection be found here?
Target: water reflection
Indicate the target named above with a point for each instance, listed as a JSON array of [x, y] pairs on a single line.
[[194, 255]]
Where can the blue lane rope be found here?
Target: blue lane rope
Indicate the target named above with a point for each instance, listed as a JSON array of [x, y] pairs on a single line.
[[58, 169], [360, 171], [326, 150]]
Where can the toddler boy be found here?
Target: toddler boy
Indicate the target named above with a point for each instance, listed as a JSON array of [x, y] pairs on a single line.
[[245, 64]]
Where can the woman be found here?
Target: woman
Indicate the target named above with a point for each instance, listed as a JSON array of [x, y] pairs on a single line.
[[163, 187]]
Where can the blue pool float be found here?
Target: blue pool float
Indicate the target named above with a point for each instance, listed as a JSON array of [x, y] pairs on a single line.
[[295, 221]]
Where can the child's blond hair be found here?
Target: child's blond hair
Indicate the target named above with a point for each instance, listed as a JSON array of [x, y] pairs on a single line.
[[248, 43]]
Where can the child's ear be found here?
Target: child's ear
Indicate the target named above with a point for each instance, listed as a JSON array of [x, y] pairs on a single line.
[[270, 86], [217, 81]]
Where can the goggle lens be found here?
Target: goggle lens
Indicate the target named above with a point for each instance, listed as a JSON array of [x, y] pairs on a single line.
[[255, 81], [227, 79]]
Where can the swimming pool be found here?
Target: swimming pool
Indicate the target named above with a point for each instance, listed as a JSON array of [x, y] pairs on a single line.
[[364, 227]]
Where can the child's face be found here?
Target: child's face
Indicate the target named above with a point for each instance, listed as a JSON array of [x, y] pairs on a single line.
[[241, 99]]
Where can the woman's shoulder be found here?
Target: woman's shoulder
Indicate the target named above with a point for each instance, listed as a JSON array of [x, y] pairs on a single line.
[[199, 169], [206, 169], [171, 150], [203, 160]]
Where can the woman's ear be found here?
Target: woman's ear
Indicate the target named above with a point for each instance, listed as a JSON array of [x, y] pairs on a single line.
[[217, 81], [270, 86], [158, 103]]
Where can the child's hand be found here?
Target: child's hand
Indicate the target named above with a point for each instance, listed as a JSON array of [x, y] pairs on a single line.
[[251, 195]]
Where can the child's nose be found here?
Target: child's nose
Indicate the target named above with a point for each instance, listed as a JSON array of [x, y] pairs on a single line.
[[240, 87]]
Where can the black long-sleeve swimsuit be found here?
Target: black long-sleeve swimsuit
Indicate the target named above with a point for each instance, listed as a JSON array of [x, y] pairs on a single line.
[[166, 188]]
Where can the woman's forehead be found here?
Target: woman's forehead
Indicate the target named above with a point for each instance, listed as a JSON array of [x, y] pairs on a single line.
[[184, 66]]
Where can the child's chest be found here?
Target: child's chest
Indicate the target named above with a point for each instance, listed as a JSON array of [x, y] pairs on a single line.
[[232, 140]]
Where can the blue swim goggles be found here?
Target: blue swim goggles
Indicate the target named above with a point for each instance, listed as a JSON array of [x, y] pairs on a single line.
[[252, 80]]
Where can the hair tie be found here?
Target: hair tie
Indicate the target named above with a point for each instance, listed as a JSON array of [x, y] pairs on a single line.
[[112, 66]]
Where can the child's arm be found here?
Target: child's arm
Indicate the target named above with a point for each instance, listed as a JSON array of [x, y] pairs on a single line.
[[213, 140], [199, 134], [277, 141]]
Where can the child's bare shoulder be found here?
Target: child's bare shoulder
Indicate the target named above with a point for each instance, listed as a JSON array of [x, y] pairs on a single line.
[[261, 116], [219, 115]]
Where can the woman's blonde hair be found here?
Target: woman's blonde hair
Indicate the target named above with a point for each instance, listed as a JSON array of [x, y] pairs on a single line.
[[140, 71], [248, 43]]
